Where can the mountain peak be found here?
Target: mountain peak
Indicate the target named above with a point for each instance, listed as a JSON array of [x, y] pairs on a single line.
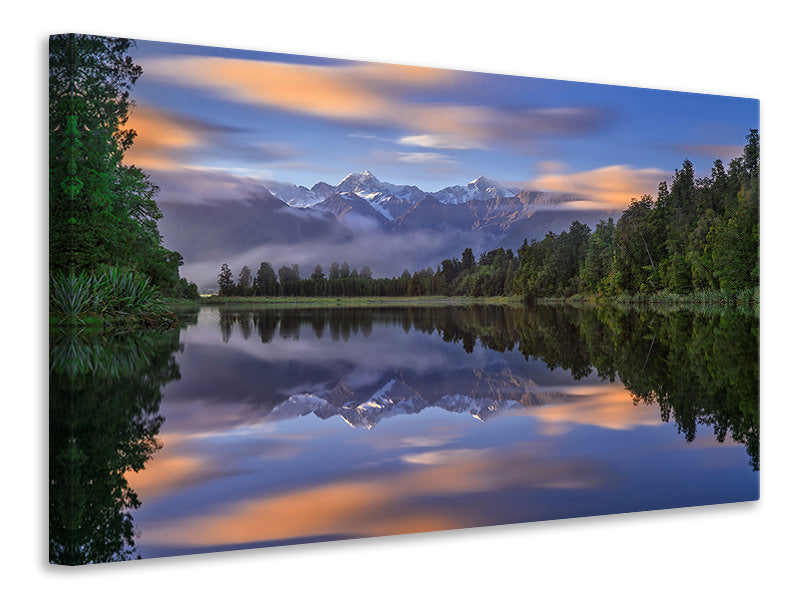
[[483, 183], [359, 178]]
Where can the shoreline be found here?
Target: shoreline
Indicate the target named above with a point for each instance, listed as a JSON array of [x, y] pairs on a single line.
[[690, 302], [354, 301]]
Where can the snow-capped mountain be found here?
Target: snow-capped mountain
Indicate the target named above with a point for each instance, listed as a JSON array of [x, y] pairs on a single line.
[[351, 209], [381, 195], [361, 217], [481, 188], [297, 195], [388, 199]]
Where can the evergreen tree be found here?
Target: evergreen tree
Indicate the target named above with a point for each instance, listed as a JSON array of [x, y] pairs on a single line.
[[265, 282], [318, 274], [101, 211], [244, 285], [225, 281], [467, 259]]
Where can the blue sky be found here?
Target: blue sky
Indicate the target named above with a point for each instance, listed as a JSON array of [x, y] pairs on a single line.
[[230, 116]]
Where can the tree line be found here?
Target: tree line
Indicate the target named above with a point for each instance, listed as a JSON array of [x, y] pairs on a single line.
[[698, 235], [491, 275]]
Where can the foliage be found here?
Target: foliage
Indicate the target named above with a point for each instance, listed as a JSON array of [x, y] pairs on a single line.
[[101, 210], [110, 291], [225, 281]]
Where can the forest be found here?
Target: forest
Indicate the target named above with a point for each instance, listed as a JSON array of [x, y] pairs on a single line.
[[698, 239]]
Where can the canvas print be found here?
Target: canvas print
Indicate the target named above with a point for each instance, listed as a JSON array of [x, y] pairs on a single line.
[[297, 299]]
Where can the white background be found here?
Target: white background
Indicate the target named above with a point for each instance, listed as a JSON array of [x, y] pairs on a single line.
[[731, 48]]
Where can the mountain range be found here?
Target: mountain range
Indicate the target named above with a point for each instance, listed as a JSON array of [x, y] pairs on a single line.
[[388, 199], [364, 220]]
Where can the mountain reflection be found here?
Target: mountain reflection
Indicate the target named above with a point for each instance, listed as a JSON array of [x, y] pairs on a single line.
[[105, 395], [224, 396], [700, 368]]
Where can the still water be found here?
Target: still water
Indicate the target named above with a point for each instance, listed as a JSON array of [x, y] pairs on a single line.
[[250, 428]]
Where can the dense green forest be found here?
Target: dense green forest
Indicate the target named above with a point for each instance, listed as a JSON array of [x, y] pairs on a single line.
[[698, 238], [106, 255]]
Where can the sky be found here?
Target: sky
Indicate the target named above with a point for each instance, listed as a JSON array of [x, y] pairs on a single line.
[[211, 119]]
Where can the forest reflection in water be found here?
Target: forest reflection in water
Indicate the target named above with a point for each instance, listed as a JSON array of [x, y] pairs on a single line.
[[105, 397], [698, 369]]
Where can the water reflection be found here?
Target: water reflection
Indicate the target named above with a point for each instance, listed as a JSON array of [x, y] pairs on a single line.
[[698, 368], [105, 396], [262, 427]]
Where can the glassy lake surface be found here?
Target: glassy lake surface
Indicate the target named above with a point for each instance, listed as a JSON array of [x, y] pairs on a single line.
[[250, 428]]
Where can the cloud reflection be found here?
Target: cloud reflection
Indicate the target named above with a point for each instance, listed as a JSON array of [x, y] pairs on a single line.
[[610, 407], [386, 503]]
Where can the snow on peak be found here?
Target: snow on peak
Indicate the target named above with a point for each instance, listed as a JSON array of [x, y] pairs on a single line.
[[384, 196], [482, 182], [359, 179], [481, 188], [491, 188]]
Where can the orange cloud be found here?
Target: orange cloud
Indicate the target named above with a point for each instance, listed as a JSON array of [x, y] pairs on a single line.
[[157, 137], [370, 92], [610, 187], [352, 92]]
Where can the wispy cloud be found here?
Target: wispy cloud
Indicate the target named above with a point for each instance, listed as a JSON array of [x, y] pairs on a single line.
[[357, 91], [610, 187], [724, 152], [167, 141], [439, 141], [423, 157], [194, 185], [419, 250], [367, 136], [377, 95], [417, 166], [159, 136]]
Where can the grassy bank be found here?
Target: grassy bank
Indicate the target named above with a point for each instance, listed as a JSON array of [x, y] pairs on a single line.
[[746, 301], [311, 302], [701, 300], [109, 297]]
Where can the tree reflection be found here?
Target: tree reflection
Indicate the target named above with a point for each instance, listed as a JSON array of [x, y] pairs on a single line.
[[105, 395], [700, 367]]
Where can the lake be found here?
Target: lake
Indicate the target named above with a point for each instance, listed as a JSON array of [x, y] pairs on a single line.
[[260, 427]]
